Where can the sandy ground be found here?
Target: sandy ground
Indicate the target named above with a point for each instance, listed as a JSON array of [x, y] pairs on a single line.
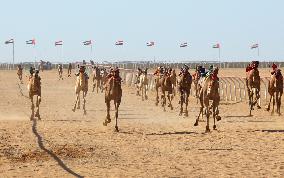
[[151, 143]]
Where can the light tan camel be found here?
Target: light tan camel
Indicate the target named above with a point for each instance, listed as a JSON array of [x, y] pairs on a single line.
[[184, 86], [60, 71], [81, 85], [164, 81], [253, 86], [275, 89], [34, 89], [113, 91], [142, 85], [196, 77], [210, 92], [20, 73]]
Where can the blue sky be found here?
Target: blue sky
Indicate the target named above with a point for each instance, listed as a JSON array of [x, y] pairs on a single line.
[[234, 24]]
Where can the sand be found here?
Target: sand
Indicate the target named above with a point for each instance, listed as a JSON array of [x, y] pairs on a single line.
[[151, 142]]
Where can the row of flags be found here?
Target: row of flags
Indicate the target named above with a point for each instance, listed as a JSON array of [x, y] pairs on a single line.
[[119, 43]]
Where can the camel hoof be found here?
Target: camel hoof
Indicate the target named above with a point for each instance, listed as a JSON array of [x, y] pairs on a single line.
[[218, 118], [214, 127], [207, 129], [104, 124], [196, 124], [186, 114], [116, 129], [73, 110], [258, 107], [172, 108]]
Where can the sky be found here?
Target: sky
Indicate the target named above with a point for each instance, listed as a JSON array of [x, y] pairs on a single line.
[[236, 25]]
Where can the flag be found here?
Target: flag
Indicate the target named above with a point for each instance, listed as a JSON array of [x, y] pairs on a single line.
[[182, 45], [254, 46], [216, 45], [151, 43], [58, 43], [88, 42], [9, 41], [119, 42], [32, 42]]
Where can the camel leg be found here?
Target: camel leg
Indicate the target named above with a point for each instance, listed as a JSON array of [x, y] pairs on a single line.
[[37, 108], [181, 103], [116, 115], [279, 104], [207, 117], [268, 107], [214, 115], [76, 101], [170, 100], [32, 108], [157, 96], [273, 102], [84, 102], [200, 111], [107, 120], [98, 85], [186, 104]]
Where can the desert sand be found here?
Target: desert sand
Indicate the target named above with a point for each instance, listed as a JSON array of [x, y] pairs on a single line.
[[151, 142]]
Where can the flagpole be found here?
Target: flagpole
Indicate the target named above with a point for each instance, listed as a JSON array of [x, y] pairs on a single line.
[[220, 56], [34, 57]]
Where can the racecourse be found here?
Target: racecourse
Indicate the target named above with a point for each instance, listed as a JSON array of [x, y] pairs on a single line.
[[151, 142]]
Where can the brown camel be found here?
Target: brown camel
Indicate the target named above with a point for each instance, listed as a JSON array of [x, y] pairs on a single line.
[[184, 86], [99, 75], [113, 92], [69, 70], [60, 71], [275, 89], [34, 89], [253, 85], [210, 92], [164, 81], [142, 84], [81, 85], [20, 73]]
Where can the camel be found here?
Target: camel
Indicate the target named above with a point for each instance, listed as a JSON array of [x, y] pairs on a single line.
[[99, 75], [60, 71], [69, 70], [137, 81], [196, 77], [34, 89], [81, 85], [142, 85], [184, 86], [275, 89], [253, 85], [20, 73], [113, 92], [173, 76], [164, 81], [210, 92]]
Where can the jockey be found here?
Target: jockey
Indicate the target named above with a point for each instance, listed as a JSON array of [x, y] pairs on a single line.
[[274, 68], [210, 70]]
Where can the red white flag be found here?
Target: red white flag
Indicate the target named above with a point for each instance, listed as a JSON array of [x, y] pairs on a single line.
[[58, 43], [119, 42], [151, 43]]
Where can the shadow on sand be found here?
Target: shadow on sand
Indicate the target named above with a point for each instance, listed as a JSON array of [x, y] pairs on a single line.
[[173, 133], [58, 160], [272, 131]]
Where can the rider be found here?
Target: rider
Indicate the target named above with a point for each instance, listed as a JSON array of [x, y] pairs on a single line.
[[209, 71], [274, 68]]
